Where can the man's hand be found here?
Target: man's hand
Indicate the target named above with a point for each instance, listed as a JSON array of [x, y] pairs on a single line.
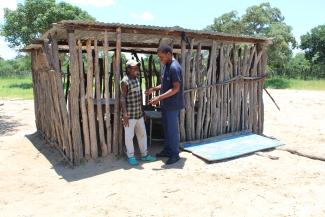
[[125, 120], [154, 100], [149, 91]]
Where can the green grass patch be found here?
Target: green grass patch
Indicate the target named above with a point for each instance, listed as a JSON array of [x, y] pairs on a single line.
[[16, 87], [283, 83]]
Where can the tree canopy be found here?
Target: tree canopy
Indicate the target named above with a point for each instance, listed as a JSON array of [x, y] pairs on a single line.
[[261, 20], [34, 17], [313, 43]]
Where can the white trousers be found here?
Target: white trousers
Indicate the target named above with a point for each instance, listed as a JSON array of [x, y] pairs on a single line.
[[138, 127]]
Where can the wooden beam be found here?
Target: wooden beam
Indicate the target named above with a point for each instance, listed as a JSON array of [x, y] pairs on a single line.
[[74, 99]]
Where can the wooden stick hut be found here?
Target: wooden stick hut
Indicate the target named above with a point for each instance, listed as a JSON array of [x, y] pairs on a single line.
[[77, 67]]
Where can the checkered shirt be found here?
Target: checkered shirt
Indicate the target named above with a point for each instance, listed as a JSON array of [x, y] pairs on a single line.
[[133, 98]]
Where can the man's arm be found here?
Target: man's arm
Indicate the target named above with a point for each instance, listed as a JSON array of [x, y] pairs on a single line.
[[152, 89], [124, 93], [168, 93]]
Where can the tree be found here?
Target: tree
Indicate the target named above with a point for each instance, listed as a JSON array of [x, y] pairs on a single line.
[[30, 20], [298, 67], [313, 44], [228, 22], [261, 20], [20, 66]]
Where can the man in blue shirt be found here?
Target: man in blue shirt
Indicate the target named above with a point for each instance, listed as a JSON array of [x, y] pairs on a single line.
[[171, 100]]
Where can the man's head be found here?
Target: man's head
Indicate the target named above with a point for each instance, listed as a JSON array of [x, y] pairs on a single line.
[[165, 53], [132, 67]]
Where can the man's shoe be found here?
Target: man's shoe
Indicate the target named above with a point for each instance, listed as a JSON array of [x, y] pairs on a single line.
[[132, 161], [163, 153], [172, 160], [148, 158]]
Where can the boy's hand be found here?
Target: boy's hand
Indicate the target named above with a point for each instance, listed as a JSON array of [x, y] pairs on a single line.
[[125, 120]]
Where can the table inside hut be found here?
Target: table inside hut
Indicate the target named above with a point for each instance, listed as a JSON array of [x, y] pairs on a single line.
[[153, 116]]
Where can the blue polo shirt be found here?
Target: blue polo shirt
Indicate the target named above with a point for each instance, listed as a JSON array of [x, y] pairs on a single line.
[[172, 72]]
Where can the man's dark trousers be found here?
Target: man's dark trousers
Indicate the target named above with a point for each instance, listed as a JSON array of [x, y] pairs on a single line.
[[171, 132]]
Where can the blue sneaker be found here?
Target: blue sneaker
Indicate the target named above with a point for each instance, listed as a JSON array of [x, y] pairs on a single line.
[[132, 161], [148, 158]]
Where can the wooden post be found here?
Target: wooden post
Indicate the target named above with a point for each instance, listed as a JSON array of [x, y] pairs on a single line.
[[84, 115], [117, 92], [74, 99], [107, 97], [199, 83], [188, 99], [182, 113], [221, 90], [102, 141], [90, 102], [214, 109]]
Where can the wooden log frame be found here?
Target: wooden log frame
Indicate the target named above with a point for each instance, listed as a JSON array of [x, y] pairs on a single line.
[[222, 96]]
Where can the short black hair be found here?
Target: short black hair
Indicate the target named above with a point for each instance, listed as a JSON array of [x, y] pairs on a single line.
[[165, 48]]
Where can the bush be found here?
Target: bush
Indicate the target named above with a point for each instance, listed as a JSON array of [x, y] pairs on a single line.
[[277, 83]]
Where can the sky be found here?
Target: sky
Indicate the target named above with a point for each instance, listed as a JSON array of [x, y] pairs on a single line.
[[301, 15]]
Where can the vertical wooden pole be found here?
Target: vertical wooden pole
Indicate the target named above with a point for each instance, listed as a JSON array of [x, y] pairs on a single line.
[[102, 141], [61, 98], [221, 89], [188, 98], [90, 102], [182, 113], [85, 126], [117, 92], [107, 96], [199, 83], [214, 109], [74, 99]]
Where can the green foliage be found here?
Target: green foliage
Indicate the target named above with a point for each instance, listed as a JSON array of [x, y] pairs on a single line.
[[314, 44], [228, 23], [33, 18], [298, 67], [276, 83], [261, 20], [20, 66]]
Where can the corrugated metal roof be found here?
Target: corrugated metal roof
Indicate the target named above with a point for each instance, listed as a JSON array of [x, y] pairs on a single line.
[[157, 28], [142, 35]]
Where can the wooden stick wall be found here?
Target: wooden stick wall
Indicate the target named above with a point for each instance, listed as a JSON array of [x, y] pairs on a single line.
[[223, 93], [80, 114]]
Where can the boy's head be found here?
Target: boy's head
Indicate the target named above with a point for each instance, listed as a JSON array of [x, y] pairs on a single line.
[[132, 67]]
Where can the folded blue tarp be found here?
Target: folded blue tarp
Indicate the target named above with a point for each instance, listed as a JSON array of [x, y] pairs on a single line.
[[230, 146]]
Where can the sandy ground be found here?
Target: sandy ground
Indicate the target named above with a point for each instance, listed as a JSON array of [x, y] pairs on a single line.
[[35, 181]]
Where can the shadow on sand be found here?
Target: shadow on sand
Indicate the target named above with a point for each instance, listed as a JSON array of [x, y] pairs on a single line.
[[93, 167]]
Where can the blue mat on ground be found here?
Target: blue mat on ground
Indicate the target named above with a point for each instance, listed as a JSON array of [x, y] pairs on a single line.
[[230, 146]]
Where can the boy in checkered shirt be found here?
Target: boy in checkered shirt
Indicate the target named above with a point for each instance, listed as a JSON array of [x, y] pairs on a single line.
[[132, 113]]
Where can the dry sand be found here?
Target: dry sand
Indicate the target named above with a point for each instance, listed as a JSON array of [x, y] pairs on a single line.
[[35, 181]]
